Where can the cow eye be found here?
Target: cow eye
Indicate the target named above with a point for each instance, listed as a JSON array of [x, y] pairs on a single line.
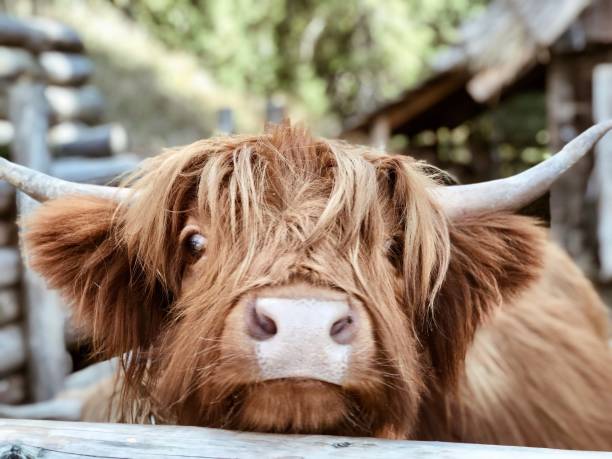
[[394, 249], [195, 244]]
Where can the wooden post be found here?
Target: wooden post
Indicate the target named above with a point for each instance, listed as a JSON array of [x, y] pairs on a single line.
[[565, 122], [84, 103], [573, 59], [66, 69], [602, 174], [275, 111], [13, 349], [48, 360], [225, 121], [75, 139], [379, 136], [12, 389]]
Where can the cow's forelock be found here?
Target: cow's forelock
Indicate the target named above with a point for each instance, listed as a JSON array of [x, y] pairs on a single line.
[[278, 209]]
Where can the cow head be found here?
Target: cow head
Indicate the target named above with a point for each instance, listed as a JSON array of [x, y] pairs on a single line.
[[280, 282]]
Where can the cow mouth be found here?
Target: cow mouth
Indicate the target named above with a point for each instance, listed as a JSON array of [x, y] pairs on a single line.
[[292, 405]]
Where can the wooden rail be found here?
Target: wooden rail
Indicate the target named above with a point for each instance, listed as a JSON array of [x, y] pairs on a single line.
[[21, 439]]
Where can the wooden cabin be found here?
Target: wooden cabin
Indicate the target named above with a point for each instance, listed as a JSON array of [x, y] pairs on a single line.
[[559, 51]]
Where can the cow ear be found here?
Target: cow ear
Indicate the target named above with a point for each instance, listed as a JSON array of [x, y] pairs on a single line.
[[492, 259], [76, 244]]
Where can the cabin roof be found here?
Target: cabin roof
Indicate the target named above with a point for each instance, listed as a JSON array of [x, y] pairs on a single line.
[[496, 51]]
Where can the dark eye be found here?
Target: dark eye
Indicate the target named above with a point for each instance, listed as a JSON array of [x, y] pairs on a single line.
[[195, 244], [394, 249]]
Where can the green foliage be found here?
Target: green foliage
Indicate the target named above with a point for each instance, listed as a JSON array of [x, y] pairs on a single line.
[[500, 142], [341, 56]]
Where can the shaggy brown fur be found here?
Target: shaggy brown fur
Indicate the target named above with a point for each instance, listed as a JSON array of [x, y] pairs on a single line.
[[282, 208]]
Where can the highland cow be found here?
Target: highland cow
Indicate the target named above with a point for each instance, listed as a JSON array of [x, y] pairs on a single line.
[[284, 283]]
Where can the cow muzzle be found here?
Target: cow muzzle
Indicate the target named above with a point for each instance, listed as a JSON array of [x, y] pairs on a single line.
[[304, 333]]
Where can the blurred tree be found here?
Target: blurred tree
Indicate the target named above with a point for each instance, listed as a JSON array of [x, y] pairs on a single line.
[[331, 55]]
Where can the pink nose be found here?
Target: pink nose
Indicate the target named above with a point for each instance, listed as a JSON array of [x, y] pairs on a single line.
[[305, 332], [300, 318]]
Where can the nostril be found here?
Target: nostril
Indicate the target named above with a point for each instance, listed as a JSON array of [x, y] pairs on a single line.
[[260, 326], [265, 323], [343, 330]]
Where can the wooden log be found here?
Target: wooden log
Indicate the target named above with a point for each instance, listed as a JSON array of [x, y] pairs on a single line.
[[69, 403], [29, 116], [602, 110], [9, 306], [38, 34], [91, 375], [12, 349], [12, 389], [4, 103], [75, 104], [55, 439], [10, 266], [6, 137], [14, 32], [569, 113], [94, 170], [15, 62], [225, 121], [380, 133], [56, 409], [65, 69], [48, 361], [72, 139], [7, 198], [275, 111], [47, 34], [6, 133], [8, 233]]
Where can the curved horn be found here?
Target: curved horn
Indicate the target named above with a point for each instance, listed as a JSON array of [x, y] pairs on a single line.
[[42, 187], [513, 193]]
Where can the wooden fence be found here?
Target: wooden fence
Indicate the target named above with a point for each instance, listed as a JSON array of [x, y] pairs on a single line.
[[51, 120], [53, 440]]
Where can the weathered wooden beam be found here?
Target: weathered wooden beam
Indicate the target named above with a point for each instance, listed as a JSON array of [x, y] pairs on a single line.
[[64, 68], [53, 35], [275, 111], [225, 121], [38, 34], [9, 306], [15, 62], [13, 348], [84, 103], [91, 375], [13, 32], [10, 266], [4, 101], [7, 198], [73, 139], [380, 133], [94, 170], [602, 110], [53, 440], [6, 133], [8, 233], [12, 389], [569, 113], [55, 409], [48, 360], [71, 403]]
